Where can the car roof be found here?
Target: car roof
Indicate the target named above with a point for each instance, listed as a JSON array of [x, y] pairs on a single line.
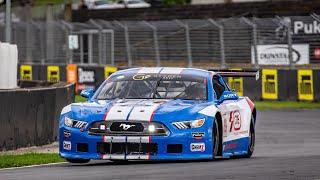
[[166, 70]]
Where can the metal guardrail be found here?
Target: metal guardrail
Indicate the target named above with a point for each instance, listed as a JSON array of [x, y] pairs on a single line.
[[189, 42]]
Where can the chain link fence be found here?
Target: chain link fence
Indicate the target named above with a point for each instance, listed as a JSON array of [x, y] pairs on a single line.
[[193, 42]]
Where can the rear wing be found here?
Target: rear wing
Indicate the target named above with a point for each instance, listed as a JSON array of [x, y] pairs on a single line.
[[238, 73]]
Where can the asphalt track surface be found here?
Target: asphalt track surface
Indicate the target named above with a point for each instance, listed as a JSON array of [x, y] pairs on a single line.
[[287, 147]]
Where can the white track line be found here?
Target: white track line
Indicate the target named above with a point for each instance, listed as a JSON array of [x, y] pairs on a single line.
[[31, 166]]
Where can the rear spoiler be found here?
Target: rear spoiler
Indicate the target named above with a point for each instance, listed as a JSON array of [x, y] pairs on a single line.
[[238, 73]]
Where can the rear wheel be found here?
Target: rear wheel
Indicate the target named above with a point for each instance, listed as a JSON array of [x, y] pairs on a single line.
[[252, 138], [80, 161]]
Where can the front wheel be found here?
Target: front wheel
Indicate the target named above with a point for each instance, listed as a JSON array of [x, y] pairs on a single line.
[[78, 161], [217, 140]]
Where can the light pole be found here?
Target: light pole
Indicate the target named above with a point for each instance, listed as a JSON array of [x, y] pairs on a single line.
[[8, 21]]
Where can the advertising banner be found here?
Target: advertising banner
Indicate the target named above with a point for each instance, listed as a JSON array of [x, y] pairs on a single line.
[[236, 84], [26, 72], [305, 84], [278, 54], [269, 84], [53, 73]]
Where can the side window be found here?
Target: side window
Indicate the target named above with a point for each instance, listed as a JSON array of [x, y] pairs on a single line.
[[218, 87]]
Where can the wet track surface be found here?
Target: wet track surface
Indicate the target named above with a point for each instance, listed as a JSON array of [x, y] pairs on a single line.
[[287, 147]]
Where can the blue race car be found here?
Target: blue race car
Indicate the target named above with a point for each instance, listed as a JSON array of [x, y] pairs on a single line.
[[159, 114]]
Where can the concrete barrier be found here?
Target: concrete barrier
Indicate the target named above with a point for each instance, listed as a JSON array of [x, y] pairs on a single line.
[[29, 116]]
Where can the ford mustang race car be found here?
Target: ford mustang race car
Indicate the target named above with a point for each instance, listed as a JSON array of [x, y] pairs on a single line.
[[159, 114]]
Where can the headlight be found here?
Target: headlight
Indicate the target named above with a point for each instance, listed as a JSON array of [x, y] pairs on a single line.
[[189, 124], [151, 128], [68, 122], [74, 123]]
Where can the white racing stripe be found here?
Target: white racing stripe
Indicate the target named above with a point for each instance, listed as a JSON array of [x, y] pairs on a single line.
[[143, 113], [148, 70], [120, 110]]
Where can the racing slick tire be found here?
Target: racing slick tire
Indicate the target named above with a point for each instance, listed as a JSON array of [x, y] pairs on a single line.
[[217, 140], [77, 161], [252, 137]]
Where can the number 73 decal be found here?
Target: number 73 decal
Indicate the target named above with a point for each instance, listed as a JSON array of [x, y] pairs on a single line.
[[234, 123]]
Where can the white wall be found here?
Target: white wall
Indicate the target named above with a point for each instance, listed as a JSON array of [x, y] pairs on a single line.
[[8, 66]]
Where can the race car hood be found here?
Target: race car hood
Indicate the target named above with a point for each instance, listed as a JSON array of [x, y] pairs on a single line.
[[133, 109]]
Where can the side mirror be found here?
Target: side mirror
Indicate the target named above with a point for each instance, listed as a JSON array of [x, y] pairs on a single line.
[[87, 93], [228, 95]]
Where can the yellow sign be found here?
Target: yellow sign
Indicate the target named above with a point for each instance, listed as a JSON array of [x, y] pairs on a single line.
[[305, 85], [108, 70], [53, 74], [26, 72], [269, 84], [236, 83]]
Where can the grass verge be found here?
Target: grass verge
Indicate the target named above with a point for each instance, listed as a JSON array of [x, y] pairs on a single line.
[[7, 161], [262, 105]]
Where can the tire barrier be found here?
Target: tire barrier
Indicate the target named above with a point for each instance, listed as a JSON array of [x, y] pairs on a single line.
[[30, 116], [273, 84]]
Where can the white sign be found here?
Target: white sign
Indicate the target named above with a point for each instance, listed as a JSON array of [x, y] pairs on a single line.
[[73, 42], [85, 76], [278, 54]]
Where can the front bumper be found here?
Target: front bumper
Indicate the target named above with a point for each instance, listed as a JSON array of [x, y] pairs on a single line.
[[179, 145]]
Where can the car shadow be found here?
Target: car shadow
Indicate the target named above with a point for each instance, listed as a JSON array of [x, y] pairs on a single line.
[[142, 162]]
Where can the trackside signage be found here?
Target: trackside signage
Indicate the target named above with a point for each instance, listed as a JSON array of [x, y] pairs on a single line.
[[300, 27], [278, 54]]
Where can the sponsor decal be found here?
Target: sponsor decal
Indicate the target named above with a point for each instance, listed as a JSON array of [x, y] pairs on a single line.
[[197, 147], [198, 135], [229, 96], [126, 126], [278, 54], [67, 145], [229, 146], [66, 134], [141, 77]]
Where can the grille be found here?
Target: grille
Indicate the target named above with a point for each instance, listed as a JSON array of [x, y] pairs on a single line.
[[127, 148], [127, 128], [82, 147]]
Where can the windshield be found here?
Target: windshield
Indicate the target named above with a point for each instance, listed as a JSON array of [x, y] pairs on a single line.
[[154, 86]]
